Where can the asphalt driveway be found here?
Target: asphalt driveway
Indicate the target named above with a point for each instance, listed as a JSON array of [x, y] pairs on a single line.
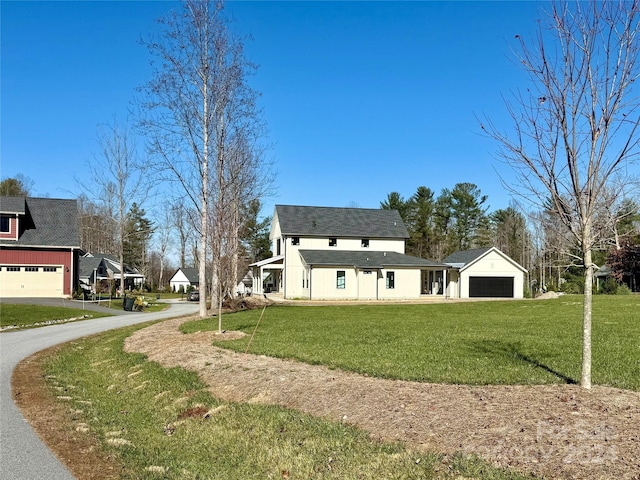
[[23, 456]]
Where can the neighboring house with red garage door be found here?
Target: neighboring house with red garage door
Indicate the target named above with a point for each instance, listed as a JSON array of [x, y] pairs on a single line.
[[39, 247]]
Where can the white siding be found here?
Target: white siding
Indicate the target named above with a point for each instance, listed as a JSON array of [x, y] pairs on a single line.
[[324, 284], [492, 265], [407, 284], [293, 261], [453, 279], [368, 285]]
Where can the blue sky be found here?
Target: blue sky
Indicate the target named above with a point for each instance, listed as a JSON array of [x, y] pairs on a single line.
[[361, 98]]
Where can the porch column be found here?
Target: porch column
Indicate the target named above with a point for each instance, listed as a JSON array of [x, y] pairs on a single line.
[[444, 282], [260, 290]]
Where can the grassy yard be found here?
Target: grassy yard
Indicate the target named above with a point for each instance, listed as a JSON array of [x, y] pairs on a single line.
[[153, 421], [27, 316], [508, 342]]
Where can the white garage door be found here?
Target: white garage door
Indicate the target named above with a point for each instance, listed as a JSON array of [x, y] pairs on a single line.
[[31, 281]]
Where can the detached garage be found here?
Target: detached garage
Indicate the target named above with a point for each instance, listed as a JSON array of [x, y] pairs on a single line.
[[484, 273]]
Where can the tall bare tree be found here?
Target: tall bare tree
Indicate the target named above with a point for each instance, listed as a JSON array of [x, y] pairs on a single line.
[[118, 181], [194, 109], [575, 130], [96, 226]]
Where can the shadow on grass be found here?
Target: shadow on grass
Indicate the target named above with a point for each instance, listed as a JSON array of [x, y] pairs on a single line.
[[511, 352]]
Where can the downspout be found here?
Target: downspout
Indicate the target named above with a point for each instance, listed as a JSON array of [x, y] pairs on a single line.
[[72, 272], [284, 268], [357, 282], [310, 281]]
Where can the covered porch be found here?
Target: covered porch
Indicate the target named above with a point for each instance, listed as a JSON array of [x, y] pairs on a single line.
[[267, 275], [433, 282]]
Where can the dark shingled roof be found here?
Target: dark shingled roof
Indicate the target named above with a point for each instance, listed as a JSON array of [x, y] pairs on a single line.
[[86, 265], [15, 205], [466, 256], [340, 222], [47, 222], [361, 259], [192, 274]]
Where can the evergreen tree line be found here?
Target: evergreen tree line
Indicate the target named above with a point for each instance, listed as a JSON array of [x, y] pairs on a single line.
[[459, 219]]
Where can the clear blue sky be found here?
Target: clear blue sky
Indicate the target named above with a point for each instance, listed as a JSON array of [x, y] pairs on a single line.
[[361, 98]]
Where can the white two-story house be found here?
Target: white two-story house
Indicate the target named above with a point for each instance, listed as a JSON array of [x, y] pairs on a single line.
[[344, 253], [324, 253]]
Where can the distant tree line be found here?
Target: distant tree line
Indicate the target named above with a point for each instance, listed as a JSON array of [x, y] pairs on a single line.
[[147, 243], [459, 219]]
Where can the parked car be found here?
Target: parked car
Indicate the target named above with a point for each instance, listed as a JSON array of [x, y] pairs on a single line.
[[194, 297]]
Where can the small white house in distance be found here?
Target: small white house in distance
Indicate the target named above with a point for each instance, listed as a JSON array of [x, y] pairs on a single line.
[[184, 277], [324, 253], [484, 272]]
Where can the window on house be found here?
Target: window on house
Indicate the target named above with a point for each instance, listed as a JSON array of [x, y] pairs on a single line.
[[30, 269], [5, 224], [50, 269], [13, 269], [278, 247], [333, 242], [295, 240], [365, 243], [340, 279], [391, 280]]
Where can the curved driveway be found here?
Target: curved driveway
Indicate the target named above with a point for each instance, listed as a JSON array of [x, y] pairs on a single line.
[[23, 456]]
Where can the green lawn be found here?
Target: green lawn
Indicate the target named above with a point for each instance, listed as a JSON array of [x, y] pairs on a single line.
[[152, 420], [27, 316], [506, 342]]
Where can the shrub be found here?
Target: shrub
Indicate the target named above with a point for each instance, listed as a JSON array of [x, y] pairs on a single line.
[[609, 287], [623, 290]]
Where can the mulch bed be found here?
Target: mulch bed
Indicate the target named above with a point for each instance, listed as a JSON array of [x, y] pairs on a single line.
[[556, 431]]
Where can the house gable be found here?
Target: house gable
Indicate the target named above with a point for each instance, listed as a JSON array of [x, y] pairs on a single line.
[[185, 277], [466, 259]]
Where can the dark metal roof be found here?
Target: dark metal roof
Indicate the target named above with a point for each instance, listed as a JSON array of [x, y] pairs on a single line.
[[340, 222], [466, 256], [46, 222], [364, 260]]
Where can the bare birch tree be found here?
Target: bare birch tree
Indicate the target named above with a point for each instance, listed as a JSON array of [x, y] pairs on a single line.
[[118, 181], [575, 131], [194, 106]]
